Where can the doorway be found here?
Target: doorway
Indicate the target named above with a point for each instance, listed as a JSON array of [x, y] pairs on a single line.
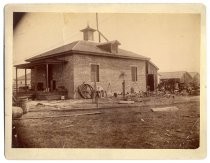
[[54, 85], [150, 82], [50, 76]]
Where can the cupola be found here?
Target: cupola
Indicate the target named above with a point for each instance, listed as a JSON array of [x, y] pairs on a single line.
[[88, 33]]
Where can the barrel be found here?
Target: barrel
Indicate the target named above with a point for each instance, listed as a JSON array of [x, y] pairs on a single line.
[[24, 104]]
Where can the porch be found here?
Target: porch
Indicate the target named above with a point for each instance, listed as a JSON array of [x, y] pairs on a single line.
[[45, 88]]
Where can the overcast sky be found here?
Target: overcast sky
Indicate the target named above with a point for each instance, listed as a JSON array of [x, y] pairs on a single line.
[[172, 41]]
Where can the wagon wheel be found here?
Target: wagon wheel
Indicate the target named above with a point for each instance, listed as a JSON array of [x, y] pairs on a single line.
[[86, 91]]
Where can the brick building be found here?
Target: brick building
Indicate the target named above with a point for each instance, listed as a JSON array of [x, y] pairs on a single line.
[[87, 61]]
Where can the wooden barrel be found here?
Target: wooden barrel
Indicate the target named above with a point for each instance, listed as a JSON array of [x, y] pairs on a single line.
[[24, 104]]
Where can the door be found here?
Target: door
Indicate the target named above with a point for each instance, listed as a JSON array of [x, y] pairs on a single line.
[[150, 82], [50, 76], [54, 85]]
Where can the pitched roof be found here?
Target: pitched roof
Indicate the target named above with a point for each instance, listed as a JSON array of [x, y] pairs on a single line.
[[88, 47], [193, 74], [172, 75], [88, 29], [58, 50]]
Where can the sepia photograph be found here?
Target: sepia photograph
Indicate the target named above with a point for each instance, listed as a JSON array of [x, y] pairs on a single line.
[[105, 79]]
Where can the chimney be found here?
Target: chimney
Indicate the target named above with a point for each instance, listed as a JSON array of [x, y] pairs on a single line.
[[88, 33]]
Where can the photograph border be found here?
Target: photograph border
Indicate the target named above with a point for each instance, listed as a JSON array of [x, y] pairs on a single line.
[[80, 153]]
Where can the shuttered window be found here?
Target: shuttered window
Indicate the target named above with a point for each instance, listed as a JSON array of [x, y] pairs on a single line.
[[94, 73], [134, 73]]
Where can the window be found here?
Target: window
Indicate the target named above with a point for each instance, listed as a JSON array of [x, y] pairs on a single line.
[[94, 72], [134, 73]]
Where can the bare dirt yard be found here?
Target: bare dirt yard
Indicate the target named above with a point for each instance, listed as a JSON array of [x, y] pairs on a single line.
[[135, 126]]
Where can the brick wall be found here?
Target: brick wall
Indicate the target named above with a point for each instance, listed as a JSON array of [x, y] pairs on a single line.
[[61, 73], [109, 72], [33, 78], [68, 75], [151, 69], [38, 75], [78, 71]]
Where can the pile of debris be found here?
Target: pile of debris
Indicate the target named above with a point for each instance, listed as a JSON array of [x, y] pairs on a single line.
[[178, 89]]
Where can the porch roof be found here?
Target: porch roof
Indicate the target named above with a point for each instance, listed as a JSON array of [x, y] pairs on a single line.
[[31, 65]]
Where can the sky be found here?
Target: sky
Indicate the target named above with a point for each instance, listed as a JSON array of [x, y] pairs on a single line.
[[172, 41]]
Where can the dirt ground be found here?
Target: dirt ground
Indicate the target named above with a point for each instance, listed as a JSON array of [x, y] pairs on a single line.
[[135, 126]]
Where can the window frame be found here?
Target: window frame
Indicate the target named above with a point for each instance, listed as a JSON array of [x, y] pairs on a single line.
[[134, 73], [96, 73]]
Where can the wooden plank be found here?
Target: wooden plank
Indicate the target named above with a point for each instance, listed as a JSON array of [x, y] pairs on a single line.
[[126, 102], [172, 108]]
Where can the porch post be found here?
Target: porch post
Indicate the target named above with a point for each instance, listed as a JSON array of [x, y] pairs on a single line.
[[47, 77], [35, 78], [25, 78], [16, 80]]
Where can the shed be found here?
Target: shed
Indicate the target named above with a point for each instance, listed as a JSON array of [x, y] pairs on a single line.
[[178, 76]]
